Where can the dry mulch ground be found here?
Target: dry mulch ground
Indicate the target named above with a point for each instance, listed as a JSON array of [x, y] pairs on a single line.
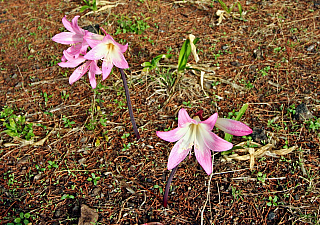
[[84, 152]]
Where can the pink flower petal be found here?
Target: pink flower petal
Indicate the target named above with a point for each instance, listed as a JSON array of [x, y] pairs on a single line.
[[106, 69], [173, 135], [71, 60], [92, 41], [214, 142], [79, 72], [75, 26], [67, 38], [184, 119], [210, 121], [233, 127], [123, 48], [94, 68], [67, 24], [97, 52], [118, 59], [92, 79], [74, 50], [178, 153], [203, 155]]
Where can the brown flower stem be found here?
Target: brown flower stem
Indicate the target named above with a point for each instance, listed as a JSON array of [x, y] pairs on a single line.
[[123, 76], [166, 192]]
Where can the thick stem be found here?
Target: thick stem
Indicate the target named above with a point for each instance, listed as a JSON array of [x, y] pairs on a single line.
[[123, 76], [166, 192]]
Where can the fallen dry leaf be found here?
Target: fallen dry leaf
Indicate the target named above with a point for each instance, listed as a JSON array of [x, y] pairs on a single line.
[[258, 152]]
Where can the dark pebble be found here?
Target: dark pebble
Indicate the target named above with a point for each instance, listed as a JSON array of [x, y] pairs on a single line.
[[271, 215], [259, 135]]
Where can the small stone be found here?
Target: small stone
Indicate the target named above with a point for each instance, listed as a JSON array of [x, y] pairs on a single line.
[[235, 63], [257, 54], [225, 47], [259, 135], [82, 161], [311, 47], [58, 213], [88, 215], [37, 177], [83, 140], [271, 215], [24, 159], [76, 210], [92, 28], [302, 113], [96, 192], [18, 84]]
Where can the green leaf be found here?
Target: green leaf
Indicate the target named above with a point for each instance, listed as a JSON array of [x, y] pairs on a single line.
[[84, 8], [228, 137], [182, 61], [185, 53], [94, 5], [146, 64], [65, 196], [240, 9], [17, 220], [224, 6], [27, 215]]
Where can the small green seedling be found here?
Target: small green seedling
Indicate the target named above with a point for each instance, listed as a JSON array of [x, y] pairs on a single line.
[[52, 165], [89, 5], [158, 187], [17, 127], [93, 178], [261, 177], [67, 196], [272, 201], [23, 219], [155, 61], [229, 9], [67, 122]]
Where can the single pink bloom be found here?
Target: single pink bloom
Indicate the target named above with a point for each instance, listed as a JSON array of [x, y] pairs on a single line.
[[109, 51], [197, 133], [75, 37]]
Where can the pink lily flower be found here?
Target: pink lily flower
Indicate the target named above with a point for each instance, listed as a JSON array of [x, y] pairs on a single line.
[[109, 51], [75, 37], [197, 133]]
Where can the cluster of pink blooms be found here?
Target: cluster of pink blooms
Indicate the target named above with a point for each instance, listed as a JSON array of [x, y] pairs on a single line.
[[190, 133], [103, 48]]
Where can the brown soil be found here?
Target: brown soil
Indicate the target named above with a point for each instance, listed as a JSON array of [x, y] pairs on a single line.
[[271, 61]]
